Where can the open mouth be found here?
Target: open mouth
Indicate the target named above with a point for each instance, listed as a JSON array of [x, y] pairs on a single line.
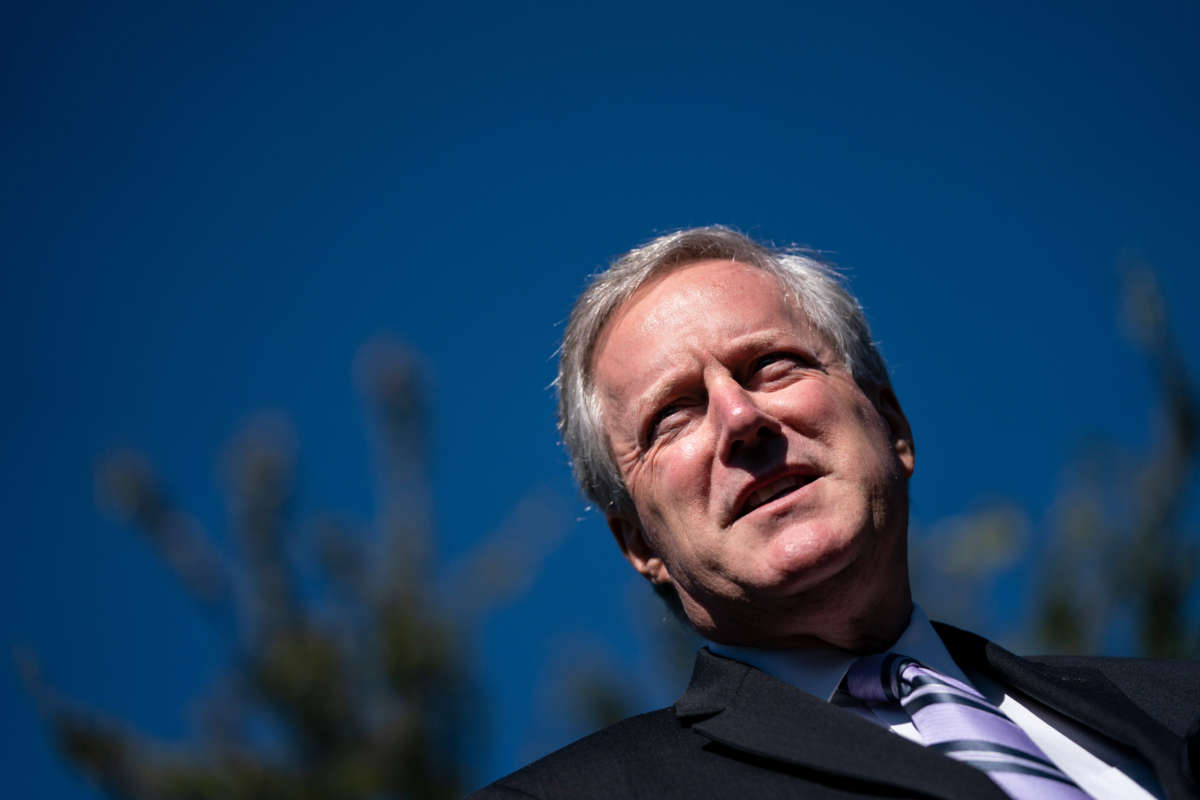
[[773, 490]]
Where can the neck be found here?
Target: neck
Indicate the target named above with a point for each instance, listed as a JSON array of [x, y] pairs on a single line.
[[864, 627]]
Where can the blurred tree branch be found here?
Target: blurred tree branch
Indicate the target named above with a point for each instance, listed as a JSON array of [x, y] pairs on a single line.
[[1122, 548], [356, 688], [1117, 562]]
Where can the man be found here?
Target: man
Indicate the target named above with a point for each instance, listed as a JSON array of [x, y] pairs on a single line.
[[723, 404]]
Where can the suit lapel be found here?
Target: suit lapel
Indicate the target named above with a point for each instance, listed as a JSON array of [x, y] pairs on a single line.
[[742, 708], [1083, 694]]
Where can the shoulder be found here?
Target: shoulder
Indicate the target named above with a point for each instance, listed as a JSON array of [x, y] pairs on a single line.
[[1167, 673], [612, 762], [1166, 688]]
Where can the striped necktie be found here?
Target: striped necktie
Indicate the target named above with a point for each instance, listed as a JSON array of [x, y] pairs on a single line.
[[956, 720]]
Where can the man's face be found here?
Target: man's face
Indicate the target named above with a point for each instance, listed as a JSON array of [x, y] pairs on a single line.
[[769, 488]]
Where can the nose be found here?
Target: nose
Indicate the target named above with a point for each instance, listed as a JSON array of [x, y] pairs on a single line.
[[742, 424]]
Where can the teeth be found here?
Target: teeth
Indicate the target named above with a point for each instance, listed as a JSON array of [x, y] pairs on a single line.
[[773, 490]]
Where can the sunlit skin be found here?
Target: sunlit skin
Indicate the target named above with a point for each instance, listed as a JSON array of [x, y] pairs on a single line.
[[712, 388]]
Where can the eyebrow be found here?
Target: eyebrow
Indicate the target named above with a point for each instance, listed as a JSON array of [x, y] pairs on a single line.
[[659, 392], [665, 385]]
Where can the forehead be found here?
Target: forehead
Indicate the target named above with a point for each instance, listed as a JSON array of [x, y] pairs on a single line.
[[672, 301], [696, 307]]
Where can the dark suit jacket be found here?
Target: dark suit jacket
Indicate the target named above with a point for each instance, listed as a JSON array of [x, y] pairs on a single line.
[[737, 732]]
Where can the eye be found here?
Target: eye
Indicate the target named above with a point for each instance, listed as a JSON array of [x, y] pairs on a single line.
[[665, 420], [768, 359], [774, 367], [656, 421]]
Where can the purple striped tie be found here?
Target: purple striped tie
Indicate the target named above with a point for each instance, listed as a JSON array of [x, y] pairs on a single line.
[[956, 720]]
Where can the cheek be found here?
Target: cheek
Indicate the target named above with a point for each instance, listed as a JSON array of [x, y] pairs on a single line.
[[842, 412], [810, 408], [674, 466], [676, 481], [685, 473]]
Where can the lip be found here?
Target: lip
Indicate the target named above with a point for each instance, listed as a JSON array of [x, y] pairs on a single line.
[[737, 509]]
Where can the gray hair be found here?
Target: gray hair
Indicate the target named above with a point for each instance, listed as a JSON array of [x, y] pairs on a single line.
[[811, 284]]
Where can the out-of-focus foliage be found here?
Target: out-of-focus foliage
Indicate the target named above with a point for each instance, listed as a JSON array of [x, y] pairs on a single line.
[[349, 684], [1122, 549], [596, 694], [957, 561], [1117, 561]]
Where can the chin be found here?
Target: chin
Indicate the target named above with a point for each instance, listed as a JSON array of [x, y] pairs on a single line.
[[805, 557]]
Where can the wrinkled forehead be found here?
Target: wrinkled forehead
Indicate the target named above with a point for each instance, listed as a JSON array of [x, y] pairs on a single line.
[[709, 302], [662, 304]]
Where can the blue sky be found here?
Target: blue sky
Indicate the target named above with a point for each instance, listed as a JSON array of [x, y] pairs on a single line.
[[208, 208]]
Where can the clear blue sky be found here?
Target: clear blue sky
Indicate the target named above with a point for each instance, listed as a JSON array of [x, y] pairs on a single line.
[[208, 207]]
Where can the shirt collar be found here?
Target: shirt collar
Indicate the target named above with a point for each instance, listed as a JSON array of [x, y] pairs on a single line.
[[819, 671]]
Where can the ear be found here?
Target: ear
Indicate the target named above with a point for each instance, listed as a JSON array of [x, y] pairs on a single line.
[[636, 549], [901, 433]]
